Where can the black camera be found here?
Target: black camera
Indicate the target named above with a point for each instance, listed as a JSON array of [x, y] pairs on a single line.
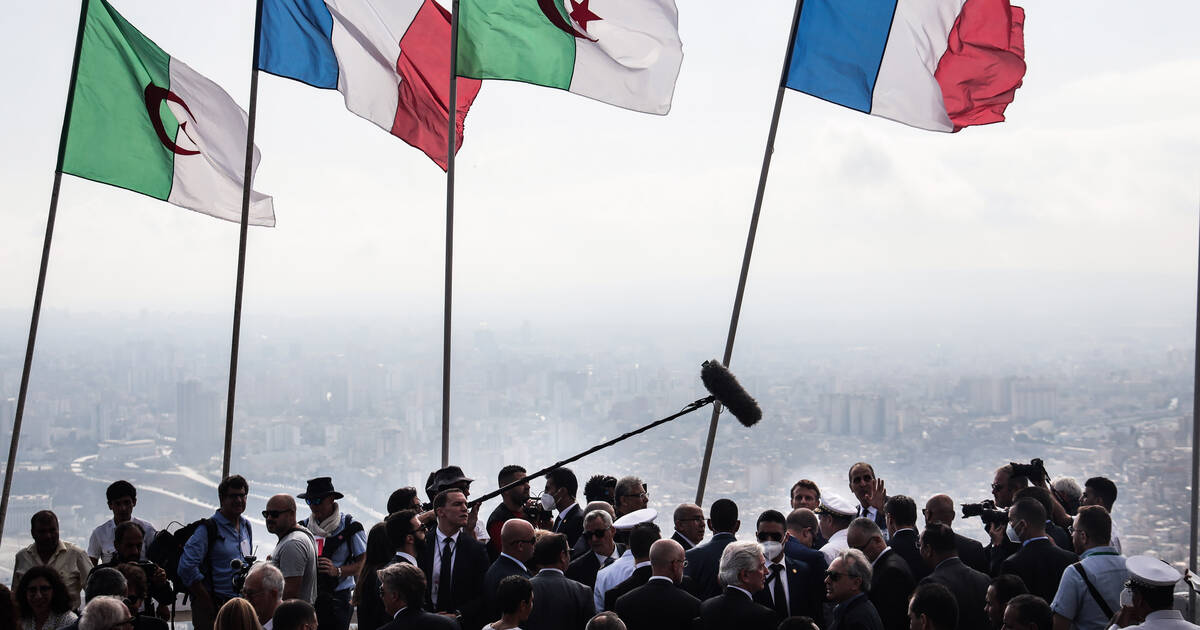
[[1034, 471], [535, 513], [986, 511], [241, 568]]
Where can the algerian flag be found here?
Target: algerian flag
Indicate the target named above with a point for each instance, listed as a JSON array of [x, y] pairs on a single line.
[[144, 121], [623, 52]]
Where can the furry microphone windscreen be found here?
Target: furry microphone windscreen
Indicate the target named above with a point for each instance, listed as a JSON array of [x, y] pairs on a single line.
[[720, 382]]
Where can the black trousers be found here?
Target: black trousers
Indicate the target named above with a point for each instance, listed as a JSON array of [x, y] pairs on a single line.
[[333, 610]]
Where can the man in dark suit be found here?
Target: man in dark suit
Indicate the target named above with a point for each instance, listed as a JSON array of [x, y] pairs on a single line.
[[1040, 563], [516, 540], [940, 509], [892, 582], [640, 540], [689, 525], [1054, 532], [870, 491], [1004, 488], [744, 571], [603, 550], [402, 588], [933, 608], [454, 562], [969, 586], [791, 588], [660, 603], [704, 560], [558, 601], [562, 485], [900, 514], [846, 585]]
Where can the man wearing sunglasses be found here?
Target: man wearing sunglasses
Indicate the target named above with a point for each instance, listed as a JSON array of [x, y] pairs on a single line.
[[743, 571], [340, 553], [792, 588], [846, 584], [295, 554], [603, 550]]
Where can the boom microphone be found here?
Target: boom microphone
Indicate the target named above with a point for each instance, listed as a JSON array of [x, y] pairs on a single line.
[[720, 382]]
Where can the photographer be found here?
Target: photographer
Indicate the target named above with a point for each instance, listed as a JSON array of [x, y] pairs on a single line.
[[512, 504], [128, 541], [205, 568], [295, 554]]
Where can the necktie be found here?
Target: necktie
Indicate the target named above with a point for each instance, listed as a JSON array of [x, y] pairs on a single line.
[[607, 561], [444, 577], [557, 522], [778, 594]]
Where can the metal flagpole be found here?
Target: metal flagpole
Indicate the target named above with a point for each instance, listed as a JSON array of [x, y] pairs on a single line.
[[451, 138], [241, 268], [741, 289], [1195, 451], [41, 282]]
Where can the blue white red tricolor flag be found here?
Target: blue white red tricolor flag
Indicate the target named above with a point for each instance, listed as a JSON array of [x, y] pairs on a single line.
[[934, 64]]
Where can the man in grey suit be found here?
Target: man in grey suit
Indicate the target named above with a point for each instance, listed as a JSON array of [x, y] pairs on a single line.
[[969, 587], [704, 560], [559, 602]]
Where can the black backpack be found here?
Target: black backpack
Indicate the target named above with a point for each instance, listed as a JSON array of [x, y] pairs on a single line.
[[167, 548]]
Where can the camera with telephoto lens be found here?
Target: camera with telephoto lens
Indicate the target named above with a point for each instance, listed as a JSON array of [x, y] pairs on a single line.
[[536, 513], [1034, 471], [986, 511], [241, 568]]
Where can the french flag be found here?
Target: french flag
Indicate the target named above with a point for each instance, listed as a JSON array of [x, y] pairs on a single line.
[[939, 65], [390, 59]]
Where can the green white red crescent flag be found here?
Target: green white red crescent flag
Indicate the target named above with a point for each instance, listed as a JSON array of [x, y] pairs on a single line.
[[145, 121], [623, 52]]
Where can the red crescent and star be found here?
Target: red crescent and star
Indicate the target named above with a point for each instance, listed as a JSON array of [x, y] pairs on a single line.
[[155, 95], [582, 14]]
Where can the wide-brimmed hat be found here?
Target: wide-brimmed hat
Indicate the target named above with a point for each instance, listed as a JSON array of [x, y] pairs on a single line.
[[448, 477], [319, 488]]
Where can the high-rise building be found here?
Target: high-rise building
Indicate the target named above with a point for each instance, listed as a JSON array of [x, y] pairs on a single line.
[[199, 422]]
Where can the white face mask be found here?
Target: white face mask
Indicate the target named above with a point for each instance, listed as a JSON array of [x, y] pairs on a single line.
[[1012, 534], [771, 549], [547, 501]]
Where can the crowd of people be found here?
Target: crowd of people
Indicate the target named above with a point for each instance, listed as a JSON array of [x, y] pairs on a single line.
[[553, 562]]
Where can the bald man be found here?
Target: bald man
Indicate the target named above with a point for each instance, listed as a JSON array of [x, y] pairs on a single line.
[[940, 509], [516, 549], [660, 603], [295, 554], [689, 525]]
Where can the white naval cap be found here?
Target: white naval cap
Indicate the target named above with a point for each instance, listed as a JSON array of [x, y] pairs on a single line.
[[1152, 572], [635, 518], [836, 505]]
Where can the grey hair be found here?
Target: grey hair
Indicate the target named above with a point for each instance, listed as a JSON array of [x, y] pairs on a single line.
[[599, 514], [606, 620], [103, 611], [856, 565], [628, 486], [105, 581], [738, 557], [1068, 487], [272, 580], [867, 527]]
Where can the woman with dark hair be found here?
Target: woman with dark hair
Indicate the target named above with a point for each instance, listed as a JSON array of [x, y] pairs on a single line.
[[42, 598], [380, 552]]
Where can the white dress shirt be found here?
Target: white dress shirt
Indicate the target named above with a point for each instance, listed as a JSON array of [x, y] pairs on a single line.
[[611, 576]]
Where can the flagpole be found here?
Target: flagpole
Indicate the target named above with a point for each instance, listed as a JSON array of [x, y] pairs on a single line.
[[41, 282], [741, 289], [1195, 527], [247, 174], [451, 138]]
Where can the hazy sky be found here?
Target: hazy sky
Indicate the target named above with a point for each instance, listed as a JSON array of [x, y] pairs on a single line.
[[568, 208]]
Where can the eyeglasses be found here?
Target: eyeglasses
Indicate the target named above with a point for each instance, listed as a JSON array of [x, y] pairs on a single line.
[[862, 479], [765, 536], [834, 576], [996, 487], [311, 501], [690, 518], [274, 513], [594, 533]]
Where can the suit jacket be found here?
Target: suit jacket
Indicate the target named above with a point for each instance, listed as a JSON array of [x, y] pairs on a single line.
[[803, 599], [880, 517], [1040, 564], [684, 542], [997, 555], [657, 605], [1060, 536], [417, 619], [856, 613], [892, 583], [815, 582], [969, 587], [503, 567], [904, 542], [971, 552], [584, 568], [559, 603], [572, 525], [466, 582], [732, 609], [639, 577], [703, 562]]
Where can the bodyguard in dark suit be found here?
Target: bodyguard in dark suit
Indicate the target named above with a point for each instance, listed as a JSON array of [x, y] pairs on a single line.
[[744, 571], [892, 582], [792, 587], [451, 550], [602, 551], [558, 601], [516, 549], [660, 604], [689, 525], [640, 541], [900, 513], [968, 586], [704, 560], [562, 485], [846, 583], [1040, 563], [402, 588], [800, 545], [940, 509]]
